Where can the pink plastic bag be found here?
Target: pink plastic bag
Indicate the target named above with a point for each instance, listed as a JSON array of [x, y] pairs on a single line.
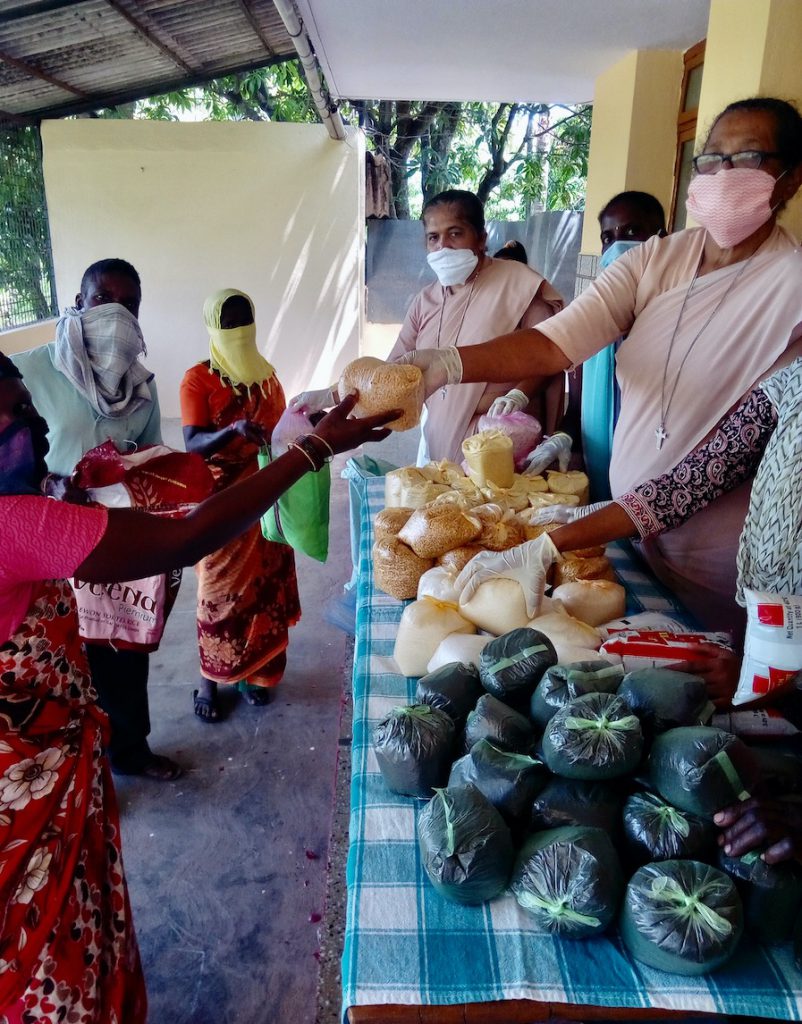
[[289, 426], [525, 431]]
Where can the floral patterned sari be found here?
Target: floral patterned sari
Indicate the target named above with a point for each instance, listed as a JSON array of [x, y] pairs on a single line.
[[67, 947]]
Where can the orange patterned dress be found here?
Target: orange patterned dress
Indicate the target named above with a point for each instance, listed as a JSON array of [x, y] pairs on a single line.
[[247, 591]]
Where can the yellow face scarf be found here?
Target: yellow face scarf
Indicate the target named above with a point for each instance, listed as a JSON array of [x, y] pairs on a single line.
[[233, 352]]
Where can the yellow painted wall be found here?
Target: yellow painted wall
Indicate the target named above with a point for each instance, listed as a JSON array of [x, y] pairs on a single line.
[[633, 138], [20, 339], [753, 49], [273, 209]]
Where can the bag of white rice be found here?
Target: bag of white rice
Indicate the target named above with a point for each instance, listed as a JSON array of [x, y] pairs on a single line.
[[458, 647], [414, 746], [397, 569], [562, 628], [438, 584], [497, 605], [569, 880], [572, 482], [595, 736], [489, 458], [592, 601], [466, 848], [385, 386], [435, 529], [681, 916], [424, 624]]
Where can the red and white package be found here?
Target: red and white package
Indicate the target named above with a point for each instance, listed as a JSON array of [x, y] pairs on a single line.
[[655, 648], [773, 649]]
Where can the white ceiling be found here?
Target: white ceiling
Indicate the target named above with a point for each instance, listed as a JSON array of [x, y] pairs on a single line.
[[547, 51]]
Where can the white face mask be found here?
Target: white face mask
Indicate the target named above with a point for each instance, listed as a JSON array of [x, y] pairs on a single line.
[[453, 266]]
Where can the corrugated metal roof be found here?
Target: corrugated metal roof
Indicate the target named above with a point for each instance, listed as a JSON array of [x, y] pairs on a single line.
[[65, 56]]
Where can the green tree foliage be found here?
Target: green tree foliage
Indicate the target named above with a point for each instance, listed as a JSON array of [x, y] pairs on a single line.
[[518, 157], [27, 289]]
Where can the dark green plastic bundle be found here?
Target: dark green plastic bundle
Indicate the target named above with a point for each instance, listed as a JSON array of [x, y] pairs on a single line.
[[657, 831], [502, 725], [465, 845], [779, 771], [510, 781], [569, 879], [512, 665], [562, 683], [681, 916], [701, 769], [414, 746], [453, 688], [577, 802], [771, 894], [593, 737], [664, 699]]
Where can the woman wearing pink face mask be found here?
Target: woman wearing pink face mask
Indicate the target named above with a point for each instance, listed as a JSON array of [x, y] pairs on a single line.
[[708, 313]]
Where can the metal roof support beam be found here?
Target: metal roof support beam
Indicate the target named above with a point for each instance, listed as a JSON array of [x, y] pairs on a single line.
[[326, 107], [257, 28], [151, 36], [34, 72]]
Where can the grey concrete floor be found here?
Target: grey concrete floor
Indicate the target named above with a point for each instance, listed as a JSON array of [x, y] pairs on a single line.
[[227, 865]]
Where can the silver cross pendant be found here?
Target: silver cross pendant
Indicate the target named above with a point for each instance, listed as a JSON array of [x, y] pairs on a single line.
[[660, 435]]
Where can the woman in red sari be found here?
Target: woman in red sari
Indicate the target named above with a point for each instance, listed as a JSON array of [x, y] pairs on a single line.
[[68, 952], [247, 591]]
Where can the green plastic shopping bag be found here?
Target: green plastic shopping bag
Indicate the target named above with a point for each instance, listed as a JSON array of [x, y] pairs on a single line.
[[300, 517]]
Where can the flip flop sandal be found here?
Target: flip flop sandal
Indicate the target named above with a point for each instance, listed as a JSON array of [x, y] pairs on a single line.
[[206, 702]]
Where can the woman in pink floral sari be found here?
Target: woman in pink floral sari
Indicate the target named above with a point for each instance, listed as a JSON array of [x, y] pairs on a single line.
[[68, 953]]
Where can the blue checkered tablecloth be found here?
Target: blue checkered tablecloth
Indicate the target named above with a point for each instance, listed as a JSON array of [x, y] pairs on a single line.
[[405, 944]]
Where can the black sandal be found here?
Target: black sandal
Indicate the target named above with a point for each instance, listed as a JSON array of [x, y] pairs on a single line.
[[206, 702]]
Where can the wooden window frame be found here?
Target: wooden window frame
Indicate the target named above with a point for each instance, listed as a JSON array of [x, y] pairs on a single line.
[[693, 58]]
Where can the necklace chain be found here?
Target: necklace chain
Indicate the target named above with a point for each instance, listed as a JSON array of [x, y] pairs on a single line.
[[459, 326], [665, 404]]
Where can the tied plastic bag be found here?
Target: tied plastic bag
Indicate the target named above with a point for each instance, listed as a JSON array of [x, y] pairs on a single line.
[[397, 569], [569, 880], [409, 488], [512, 665], [523, 430], [578, 802], [510, 781], [385, 386], [489, 459], [498, 606], [563, 683], [438, 584], [701, 769], [422, 627], [592, 601], [773, 648], [465, 845], [300, 516], [499, 723], [454, 688], [593, 737], [459, 647], [655, 830], [435, 529], [414, 746], [663, 698], [389, 521], [500, 528], [771, 895], [681, 916]]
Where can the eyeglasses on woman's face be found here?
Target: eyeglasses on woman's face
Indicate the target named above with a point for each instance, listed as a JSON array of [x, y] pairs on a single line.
[[751, 159]]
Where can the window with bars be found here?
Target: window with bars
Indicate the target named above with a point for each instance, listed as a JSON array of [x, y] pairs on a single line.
[[27, 284]]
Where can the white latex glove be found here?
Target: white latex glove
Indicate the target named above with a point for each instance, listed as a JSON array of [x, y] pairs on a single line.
[[527, 564], [440, 366], [513, 401], [555, 448], [564, 513], [313, 401]]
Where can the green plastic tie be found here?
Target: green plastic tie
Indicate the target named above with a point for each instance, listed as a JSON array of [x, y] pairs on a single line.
[[576, 675], [722, 759], [688, 906], [603, 724], [451, 842], [671, 818], [558, 910], [415, 710], [515, 658]]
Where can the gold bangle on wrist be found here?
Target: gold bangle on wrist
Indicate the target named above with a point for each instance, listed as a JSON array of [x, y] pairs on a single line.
[[305, 453], [323, 440]]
